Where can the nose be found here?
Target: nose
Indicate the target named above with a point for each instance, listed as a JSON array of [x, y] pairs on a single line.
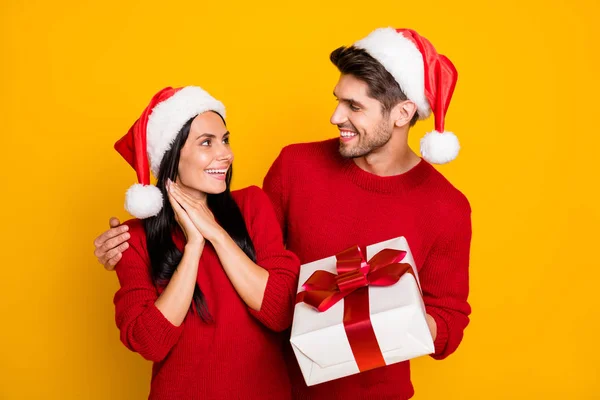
[[339, 116], [224, 153]]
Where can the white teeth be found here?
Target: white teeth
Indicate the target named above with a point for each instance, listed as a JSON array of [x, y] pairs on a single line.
[[216, 171], [347, 134]]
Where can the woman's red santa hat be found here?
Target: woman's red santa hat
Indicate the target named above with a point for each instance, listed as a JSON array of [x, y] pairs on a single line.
[[152, 135], [426, 77]]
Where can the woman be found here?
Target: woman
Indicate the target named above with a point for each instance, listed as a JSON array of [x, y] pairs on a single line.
[[207, 279]]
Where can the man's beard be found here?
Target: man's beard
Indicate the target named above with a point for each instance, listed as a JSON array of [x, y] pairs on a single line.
[[366, 142]]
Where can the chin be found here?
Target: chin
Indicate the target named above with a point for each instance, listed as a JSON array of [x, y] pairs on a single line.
[[350, 151], [216, 189], [345, 150], [206, 187]]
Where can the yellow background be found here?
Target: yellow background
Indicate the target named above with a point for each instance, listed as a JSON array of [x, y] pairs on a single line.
[[75, 74]]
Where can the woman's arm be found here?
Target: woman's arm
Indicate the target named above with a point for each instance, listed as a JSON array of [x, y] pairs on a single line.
[[174, 302], [267, 286]]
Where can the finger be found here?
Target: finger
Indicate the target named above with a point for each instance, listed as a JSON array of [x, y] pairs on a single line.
[[183, 203], [207, 210], [109, 234], [114, 222], [110, 264], [179, 190], [183, 214], [176, 207], [116, 251], [184, 194], [179, 205], [112, 243], [176, 190], [180, 214], [190, 204], [203, 211]]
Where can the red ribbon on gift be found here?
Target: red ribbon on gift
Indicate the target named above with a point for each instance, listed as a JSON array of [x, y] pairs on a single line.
[[324, 289]]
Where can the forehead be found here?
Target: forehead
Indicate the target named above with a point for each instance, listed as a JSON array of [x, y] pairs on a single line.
[[208, 122], [350, 87]]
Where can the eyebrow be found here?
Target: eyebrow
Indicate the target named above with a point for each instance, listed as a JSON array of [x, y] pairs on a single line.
[[211, 135], [352, 101]]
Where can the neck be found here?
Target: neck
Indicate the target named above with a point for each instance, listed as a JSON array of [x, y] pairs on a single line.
[[393, 158]]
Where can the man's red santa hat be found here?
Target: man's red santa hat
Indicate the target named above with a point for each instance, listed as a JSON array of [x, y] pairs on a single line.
[[426, 77]]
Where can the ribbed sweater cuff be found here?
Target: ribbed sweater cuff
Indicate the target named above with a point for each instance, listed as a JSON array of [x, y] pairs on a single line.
[[159, 329], [273, 312], [441, 339]]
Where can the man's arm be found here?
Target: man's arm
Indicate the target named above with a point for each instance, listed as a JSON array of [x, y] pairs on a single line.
[[445, 282], [274, 185]]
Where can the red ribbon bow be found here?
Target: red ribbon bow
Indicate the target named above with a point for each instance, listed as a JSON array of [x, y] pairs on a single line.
[[324, 289]]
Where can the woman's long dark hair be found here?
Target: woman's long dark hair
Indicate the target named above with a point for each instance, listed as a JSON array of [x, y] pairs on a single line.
[[164, 255]]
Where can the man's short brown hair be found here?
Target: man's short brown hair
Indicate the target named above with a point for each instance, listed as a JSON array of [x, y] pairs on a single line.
[[382, 85]]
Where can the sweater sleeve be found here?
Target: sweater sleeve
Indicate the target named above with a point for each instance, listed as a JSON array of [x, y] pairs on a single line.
[[445, 282], [143, 328], [273, 185], [283, 266]]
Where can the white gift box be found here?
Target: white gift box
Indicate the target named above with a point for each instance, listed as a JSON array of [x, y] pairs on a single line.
[[397, 314]]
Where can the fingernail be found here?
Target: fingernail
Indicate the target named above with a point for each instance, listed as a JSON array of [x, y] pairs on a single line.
[[127, 236], [125, 228]]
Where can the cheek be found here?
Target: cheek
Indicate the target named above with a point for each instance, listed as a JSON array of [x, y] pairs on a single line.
[[361, 122], [191, 166], [372, 123]]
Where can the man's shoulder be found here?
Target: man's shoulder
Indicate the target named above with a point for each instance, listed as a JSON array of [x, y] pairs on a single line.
[[447, 196], [250, 196], [310, 150]]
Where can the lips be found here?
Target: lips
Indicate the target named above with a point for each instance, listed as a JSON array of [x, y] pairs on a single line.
[[217, 173], [347, 136]]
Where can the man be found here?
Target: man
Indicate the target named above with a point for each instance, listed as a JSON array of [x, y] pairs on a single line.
[[368, 186]]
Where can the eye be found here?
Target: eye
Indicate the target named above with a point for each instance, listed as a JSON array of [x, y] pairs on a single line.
[[205, 142], [226, 140], [354, 108]]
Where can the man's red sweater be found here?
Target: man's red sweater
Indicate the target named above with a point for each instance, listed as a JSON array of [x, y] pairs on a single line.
[[326, 203], [238, 355]]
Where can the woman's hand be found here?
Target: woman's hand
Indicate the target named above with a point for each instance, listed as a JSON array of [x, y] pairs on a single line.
[[192, 234], [197, 212]]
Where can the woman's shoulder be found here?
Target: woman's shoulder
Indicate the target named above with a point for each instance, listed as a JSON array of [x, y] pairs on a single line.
[[251, 200], [137, 242], [137, 232], [248, 192]]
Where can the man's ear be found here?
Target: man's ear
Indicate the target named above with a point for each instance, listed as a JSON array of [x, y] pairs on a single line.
[[403, 113]]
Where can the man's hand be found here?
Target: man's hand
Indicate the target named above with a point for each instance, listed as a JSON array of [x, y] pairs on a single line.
[[111, 244], [432, 326]]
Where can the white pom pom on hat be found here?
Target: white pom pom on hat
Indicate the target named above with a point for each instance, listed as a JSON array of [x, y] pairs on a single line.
[[426, 77], [152, 135], [143, 201], [439, 148]]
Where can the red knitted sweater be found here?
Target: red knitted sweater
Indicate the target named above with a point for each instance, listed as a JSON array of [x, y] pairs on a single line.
[[238, 356], [326, 203]]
